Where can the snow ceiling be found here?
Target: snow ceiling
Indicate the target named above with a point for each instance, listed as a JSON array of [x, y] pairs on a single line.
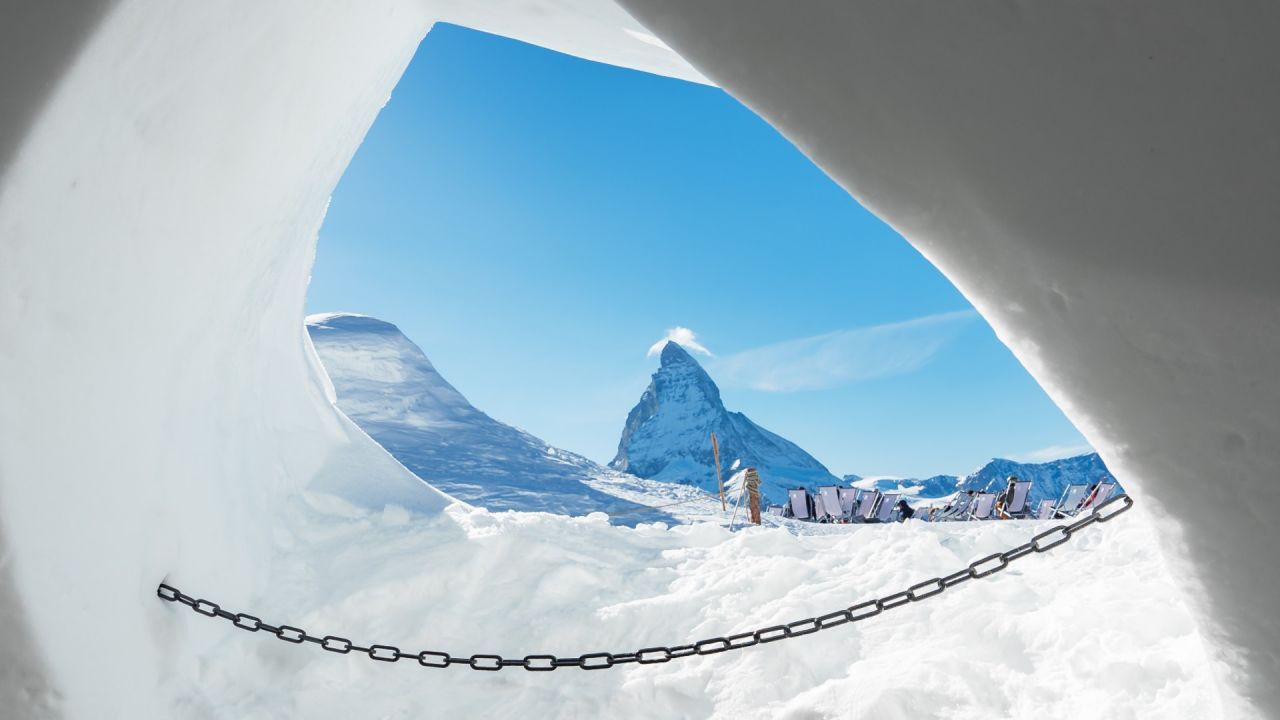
[[1099, 178]]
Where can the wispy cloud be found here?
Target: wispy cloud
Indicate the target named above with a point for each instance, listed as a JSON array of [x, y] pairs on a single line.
[[1053, 452], [841, 357], [682, 336]]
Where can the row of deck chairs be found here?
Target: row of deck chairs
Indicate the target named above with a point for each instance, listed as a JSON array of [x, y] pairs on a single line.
[[833, 504], [982, 505], [1075, 500]]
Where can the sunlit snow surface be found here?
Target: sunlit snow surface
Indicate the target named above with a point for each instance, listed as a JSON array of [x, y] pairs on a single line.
[[1090, 630], [387, 386]]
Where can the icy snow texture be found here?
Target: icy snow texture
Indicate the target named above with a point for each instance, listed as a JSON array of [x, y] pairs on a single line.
[[161, 192], [1091, 632], [1100, 180], [1098, 177], [667, 435], [160, 399], [386, 384]]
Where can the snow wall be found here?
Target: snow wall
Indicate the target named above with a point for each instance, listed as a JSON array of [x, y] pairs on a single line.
[[1098, 181]]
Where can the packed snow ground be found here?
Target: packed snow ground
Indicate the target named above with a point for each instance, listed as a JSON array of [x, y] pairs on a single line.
[[1091, 630], [685, 503]]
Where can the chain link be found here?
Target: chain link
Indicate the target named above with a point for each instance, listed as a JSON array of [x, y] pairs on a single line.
[[983, 567]]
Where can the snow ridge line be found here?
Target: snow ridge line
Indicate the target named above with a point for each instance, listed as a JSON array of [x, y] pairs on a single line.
[[704, 496], [983, 567]]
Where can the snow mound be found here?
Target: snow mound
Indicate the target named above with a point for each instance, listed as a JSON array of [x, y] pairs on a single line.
[[386, 384], [1090, 631]]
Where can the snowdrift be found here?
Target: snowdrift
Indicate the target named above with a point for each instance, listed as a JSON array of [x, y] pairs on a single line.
[[387, 386], [1091, 632], [1099, 181]]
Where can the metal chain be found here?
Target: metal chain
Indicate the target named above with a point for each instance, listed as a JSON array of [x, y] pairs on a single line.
[[983, 567]]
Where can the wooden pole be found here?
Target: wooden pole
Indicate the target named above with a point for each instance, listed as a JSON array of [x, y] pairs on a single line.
[[752, 482], [715, 451]]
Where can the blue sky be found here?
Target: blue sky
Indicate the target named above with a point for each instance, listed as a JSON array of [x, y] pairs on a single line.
[[536, 222]]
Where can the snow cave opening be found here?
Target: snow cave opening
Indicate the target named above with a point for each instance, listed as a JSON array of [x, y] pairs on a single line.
[[465, 243], [239, 405]]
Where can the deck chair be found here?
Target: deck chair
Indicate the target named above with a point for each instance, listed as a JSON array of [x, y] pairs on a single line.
[[1017, 505], [1104, 492], [1070, 501], [1045, 510], [828, 502], [867, 505], [982, 506], [848, 499], [774, 510], [800, 503], [887, 507], [959, 508]]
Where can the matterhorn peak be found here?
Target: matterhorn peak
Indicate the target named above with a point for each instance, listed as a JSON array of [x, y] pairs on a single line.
[[672, 353], [667, 435]]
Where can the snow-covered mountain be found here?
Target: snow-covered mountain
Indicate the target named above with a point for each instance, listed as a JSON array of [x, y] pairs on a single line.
[[386, 384], [931, 487], [1049, 479], [667, 435]]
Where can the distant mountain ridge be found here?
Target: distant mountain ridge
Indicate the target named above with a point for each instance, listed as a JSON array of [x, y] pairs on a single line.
[[1049, 479], [387, 386], [667, 435]]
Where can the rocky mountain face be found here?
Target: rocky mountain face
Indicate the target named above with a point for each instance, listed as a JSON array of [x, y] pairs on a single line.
[[667, 435]]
